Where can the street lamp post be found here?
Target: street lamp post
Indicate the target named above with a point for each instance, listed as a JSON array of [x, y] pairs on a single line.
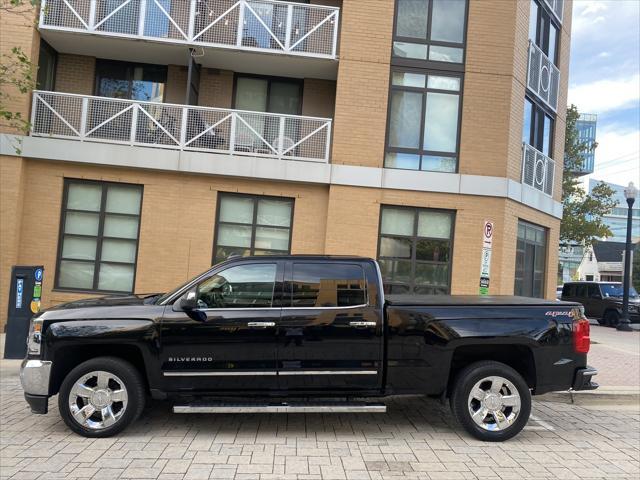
[[630, 193]]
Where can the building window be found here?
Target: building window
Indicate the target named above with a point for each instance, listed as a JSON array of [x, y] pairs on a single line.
[[414, 250], [47, 61], [531, 254], [252, 225], [424, 121], [543, 30], [268, 94], [537, 127], [99, 232], [430, 30], [131, 81]]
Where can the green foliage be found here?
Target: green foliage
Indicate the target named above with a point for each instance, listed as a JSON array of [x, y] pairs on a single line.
[[582, 212], [16, 76], [17, 72]]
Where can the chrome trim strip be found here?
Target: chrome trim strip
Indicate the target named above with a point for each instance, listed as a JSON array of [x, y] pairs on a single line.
[[327, 372], [362, 324], [220, 374], [283, 408], [35, 375], [271, 373]]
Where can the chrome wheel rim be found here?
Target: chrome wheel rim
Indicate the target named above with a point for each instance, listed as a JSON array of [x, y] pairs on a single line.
[[494, 403], [98, 400]]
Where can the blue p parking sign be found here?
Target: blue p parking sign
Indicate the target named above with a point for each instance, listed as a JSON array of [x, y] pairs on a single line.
[[38, 275]]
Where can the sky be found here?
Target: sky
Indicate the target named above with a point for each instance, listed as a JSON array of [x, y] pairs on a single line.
[[604, 79]]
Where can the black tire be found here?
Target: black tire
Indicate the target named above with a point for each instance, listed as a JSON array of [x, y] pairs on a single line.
[[611, 318], [132, 381], [467, 379]]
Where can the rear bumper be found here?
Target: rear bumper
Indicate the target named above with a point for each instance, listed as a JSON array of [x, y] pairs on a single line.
[[582, 379]]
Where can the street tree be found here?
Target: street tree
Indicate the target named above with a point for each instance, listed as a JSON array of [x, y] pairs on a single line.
[[582, 212]]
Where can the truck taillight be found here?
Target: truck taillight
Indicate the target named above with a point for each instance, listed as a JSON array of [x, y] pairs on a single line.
[[581, 340]]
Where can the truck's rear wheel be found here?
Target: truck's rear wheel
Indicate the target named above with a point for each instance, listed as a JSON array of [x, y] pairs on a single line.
[[101, 397], [491, 401]]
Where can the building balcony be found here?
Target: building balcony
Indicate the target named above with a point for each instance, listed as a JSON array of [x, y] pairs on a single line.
[[543, 77], [180, 127], [537, 169], [302, 38]]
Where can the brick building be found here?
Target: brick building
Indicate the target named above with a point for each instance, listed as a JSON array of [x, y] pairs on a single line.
[[167, 135]]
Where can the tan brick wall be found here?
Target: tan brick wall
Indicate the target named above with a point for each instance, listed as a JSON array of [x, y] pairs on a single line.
[[216, 88], [16, 30], [176, 87], [363, 82], [319, 98], [177, 227], [12, 175], [353, 218], [75, 74]]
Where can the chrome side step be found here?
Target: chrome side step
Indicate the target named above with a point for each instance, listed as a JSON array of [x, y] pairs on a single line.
[[284, 407]]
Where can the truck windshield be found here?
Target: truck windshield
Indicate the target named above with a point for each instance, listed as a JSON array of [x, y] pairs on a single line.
[[615, 290]]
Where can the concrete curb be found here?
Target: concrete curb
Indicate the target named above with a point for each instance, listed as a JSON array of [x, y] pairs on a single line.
[[629, 396]]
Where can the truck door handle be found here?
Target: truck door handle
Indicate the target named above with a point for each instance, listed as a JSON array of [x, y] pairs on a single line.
[[362, 324], [261, 324]]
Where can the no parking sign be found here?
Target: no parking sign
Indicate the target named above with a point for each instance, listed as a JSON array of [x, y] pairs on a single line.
[[485, 265]]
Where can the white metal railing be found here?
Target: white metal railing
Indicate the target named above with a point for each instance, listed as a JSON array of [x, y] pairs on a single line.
[[543, 77], [537, 169], [557, 7], [261, 25], [181, 127]]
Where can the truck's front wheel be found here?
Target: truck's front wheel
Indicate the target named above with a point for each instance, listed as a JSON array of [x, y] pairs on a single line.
[[101, 397], [491, 401]]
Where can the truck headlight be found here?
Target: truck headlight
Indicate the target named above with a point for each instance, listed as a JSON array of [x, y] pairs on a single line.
[[35, 336], [633, 308]]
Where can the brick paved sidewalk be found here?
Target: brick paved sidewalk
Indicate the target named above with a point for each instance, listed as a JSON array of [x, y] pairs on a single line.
[[417, 439], [616, 355]]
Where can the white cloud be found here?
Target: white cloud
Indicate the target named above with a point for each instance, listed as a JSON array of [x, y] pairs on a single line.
[[607, 95], [618, 156]]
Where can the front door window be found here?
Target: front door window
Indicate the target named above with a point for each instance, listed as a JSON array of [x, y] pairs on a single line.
[[243, 286]]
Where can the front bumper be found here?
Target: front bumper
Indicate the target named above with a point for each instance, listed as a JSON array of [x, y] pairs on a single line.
[[582, 379], [34, 377]]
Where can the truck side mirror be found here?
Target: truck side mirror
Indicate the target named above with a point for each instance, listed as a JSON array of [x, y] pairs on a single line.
[[187, 302]]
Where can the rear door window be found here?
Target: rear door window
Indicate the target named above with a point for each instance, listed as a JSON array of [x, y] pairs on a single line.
[[327, 285], [567, 290]]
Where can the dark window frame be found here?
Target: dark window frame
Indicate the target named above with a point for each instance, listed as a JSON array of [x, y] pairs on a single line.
[[99, 237], [54, 54], [101, 63], [545, 19], [254, 225], [421, 151], [536, 130], [414, 238], [432, 64], [545, 280], [269, 79]]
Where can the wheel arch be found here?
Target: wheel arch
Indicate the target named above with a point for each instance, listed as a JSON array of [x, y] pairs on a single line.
[[517, 356], [68, 357]]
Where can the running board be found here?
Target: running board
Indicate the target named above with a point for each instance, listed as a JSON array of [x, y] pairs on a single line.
[[284, 407]]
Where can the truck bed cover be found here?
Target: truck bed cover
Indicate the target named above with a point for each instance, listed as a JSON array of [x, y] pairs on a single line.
[[453, 300]]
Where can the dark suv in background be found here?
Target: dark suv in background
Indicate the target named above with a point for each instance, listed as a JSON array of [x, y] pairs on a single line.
[[602, 300]]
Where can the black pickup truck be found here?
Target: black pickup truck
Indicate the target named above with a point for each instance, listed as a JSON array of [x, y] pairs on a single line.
[[302, 334]]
